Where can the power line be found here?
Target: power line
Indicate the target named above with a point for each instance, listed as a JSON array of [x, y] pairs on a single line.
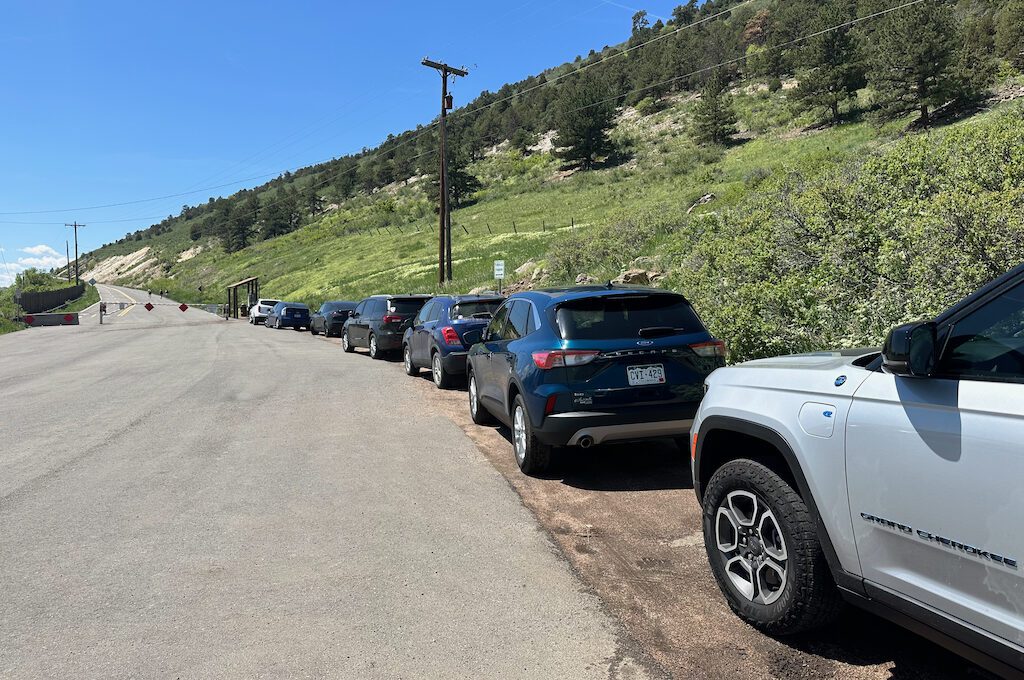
[[455, 113], [736, 60], [592, 64]]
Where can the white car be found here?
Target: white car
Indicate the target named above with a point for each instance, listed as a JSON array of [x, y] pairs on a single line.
[[893, 480], [258, 312]]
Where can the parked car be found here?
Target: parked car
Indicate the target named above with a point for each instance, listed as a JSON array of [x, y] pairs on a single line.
[[258, 312], [379, 321], [583, 366], [891, 480], [330, 318], [435, 338], [288, 315]]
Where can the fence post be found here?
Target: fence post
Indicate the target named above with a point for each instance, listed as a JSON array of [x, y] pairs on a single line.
[[572, 222], [543, 225]]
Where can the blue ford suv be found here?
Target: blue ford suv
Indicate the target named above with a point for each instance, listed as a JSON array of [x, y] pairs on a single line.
[[583, 366], [435, 339]]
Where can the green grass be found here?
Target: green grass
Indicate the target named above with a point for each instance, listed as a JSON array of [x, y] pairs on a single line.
[[388, 242], [90, 297]]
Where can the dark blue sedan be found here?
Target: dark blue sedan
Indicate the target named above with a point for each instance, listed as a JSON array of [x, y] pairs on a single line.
[[288, 315], [435, 338], [583, 366]]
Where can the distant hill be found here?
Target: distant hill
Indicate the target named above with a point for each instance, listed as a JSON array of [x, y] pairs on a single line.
[[718, 220]]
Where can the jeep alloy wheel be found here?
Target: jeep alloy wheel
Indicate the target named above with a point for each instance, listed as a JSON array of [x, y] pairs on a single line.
[[762, 544], [751, 543]]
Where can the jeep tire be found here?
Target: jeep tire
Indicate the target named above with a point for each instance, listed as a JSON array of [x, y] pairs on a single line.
[[763, 548]]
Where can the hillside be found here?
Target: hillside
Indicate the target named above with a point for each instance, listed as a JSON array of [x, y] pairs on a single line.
[[845, 189]]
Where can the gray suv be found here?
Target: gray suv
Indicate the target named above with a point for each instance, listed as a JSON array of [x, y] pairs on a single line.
[[891, 480], [379, 322]]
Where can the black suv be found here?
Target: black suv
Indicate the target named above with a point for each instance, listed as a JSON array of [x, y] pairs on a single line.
[[379, 321]]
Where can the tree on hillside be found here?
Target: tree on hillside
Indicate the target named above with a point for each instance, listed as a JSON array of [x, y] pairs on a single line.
[[714, 119], [585, 115], [834, 71], [1010, 32], [241, 223], [682, 15], [282, 214], [915, 62]]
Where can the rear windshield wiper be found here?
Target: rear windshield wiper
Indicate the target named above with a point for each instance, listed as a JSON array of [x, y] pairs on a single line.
[[659, 331]]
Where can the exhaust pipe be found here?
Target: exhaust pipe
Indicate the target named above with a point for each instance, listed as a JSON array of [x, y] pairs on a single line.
[[586, 441]]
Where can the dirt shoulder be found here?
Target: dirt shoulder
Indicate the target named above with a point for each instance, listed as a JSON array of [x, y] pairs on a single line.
[[627, 519]]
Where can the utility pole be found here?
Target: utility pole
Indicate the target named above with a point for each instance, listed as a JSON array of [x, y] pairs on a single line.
[[76, 225], [444, 243], [67, 252]]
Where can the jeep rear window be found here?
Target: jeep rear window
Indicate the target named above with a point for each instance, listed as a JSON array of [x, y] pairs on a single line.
[[619, 316]]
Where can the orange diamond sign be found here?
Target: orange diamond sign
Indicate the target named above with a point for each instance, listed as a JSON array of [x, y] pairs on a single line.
[[149, 306], [183, 306]]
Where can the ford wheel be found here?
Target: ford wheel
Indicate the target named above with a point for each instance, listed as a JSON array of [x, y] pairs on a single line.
[[532, 456], [477, 411], [410, 368]]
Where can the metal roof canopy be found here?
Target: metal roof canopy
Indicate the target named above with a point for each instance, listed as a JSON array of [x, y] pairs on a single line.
[[252, 292]]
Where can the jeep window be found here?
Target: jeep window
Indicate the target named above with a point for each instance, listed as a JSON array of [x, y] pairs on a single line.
[[988, 343], [626, 316]]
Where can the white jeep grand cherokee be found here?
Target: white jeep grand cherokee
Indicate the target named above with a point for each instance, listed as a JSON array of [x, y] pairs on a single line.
[[892, 480]]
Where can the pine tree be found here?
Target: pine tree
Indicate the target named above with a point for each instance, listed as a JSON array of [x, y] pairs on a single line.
[[1010, 32], [834, 72], [584, 116], [916, 61], [714, 119]]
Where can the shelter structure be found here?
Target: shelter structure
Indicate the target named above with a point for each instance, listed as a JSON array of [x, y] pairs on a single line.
[[252, 294]]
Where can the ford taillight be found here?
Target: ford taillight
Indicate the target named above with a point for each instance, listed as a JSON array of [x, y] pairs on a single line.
[[710, 349], [563, 357], [450, 336]]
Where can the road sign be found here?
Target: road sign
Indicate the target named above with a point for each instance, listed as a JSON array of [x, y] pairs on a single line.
[[30, 319], [68, 318], [499, 269], [183, 306], [92, 282], [149, 306]]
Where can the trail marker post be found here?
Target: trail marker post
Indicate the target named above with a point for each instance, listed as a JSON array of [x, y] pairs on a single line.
[[499, 272]]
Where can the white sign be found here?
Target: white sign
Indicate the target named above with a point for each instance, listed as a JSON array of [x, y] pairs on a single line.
[[499, 269]]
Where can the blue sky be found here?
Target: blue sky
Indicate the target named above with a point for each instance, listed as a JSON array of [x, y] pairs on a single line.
[[106, 102]]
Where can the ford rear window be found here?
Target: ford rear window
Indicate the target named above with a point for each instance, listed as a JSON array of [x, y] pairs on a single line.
[[626, 316]]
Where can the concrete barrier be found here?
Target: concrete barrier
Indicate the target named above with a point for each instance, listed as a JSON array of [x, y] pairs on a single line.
[[68, 319]]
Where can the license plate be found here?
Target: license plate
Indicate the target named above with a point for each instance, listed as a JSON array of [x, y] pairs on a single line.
[[651, 374]]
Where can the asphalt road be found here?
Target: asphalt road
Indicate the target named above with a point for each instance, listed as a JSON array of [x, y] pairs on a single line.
[[188, 497], [182, 496]]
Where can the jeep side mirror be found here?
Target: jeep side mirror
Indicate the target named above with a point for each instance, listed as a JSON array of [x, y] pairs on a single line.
[[352, 314], [472, 337], [909, 350]]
